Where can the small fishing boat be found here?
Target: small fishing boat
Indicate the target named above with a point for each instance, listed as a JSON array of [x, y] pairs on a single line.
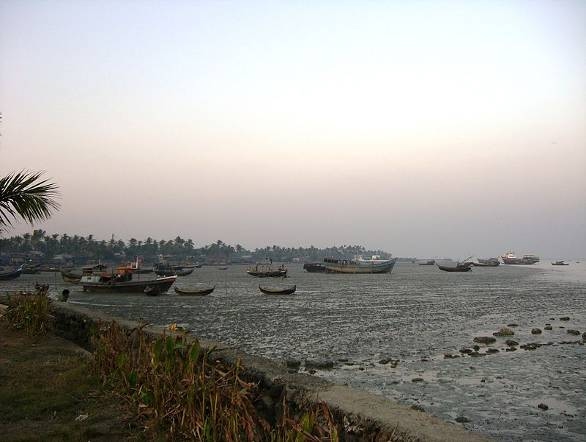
[[359, 265], [167, 270], [31, 269], [278, 290], [460, 267], [200, 291], [70, 277], [490, 262], [314, 267], [267, 271], [560, 263], [122, 281], [10, 274]]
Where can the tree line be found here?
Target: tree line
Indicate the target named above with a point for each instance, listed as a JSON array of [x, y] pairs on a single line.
[[152, 250]]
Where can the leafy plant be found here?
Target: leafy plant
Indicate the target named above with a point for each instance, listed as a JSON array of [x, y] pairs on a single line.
[[30, 312], [176, 386]]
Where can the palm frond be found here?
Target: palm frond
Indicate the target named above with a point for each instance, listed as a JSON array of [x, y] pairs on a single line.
[[26, 195]]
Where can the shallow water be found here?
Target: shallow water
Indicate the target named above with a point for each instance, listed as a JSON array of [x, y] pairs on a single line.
[[415, 315]]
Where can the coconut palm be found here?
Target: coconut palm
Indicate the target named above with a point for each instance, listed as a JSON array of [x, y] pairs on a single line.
[[28, 196]]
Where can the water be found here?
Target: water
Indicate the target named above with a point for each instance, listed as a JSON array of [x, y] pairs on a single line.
[[415, 315]]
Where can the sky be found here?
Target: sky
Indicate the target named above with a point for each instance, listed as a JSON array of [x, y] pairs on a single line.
[[424, 128]]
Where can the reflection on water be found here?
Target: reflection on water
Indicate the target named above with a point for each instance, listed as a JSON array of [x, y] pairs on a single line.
[[416, 316]]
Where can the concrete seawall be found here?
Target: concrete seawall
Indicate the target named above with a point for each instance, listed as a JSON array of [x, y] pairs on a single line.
[[364, 416]]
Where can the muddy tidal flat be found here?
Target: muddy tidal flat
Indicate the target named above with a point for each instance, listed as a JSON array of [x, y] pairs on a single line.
[[408, 336]]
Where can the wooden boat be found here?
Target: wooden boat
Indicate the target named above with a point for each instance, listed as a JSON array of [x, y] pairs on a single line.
[[165, 270], [71, 277], [267, 271], [314, 267], [560, 263], [278, 290], [461, 267], [202, 291], [31, 269], [123, 282], [490, 262], [10, 274], [359, 265]]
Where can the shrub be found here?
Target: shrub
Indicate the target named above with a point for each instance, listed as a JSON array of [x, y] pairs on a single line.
[[30, 312]]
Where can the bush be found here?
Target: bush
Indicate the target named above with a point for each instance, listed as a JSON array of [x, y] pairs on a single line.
[[176, 386], [30, 312]]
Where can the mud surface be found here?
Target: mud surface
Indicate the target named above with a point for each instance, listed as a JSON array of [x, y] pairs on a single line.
[[390, 334]]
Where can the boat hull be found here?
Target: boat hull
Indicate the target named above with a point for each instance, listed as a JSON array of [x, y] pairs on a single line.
[[314, 267], [277, 291], [7, 276], [455, 269], [357, 267], [202, 292], [268, 274], [161, 285]]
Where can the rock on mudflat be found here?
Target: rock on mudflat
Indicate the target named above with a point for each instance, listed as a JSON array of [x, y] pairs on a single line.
[[511, 343], [293, 363], [492, 350], [417, 380], [504, 331], [548, 327], [466, 351], [462, 419], [584, 336], [565, 318], [536, 331], [319, 365], [573, 332], [485, 339], [543, 407]]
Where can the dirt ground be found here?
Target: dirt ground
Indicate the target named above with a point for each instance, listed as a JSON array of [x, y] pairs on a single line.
[[48, 392]]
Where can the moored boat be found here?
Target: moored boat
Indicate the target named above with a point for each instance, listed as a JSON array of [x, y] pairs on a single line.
[[167, 270], [267, 271], [199, 291], [560, 263], [359, 265], [71, 277], [123, 282], [314, 267], [511, 259], [7, 275], [460, 267], [490, 262], [277, 290]]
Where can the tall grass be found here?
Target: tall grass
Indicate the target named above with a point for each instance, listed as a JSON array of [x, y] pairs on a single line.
[[176, 387], [30, 312]]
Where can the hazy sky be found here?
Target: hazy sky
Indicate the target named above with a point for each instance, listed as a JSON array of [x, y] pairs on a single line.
[[424, 128]]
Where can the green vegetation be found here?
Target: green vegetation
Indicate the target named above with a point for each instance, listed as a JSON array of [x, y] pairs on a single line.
[[30, 312], [26, 195], [177, 387], [88, 248]]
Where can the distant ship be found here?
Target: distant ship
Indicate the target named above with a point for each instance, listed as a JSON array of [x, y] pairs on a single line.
[[510, 258]]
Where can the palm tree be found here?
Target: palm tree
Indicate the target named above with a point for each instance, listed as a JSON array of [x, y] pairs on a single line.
[[28, 196]]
